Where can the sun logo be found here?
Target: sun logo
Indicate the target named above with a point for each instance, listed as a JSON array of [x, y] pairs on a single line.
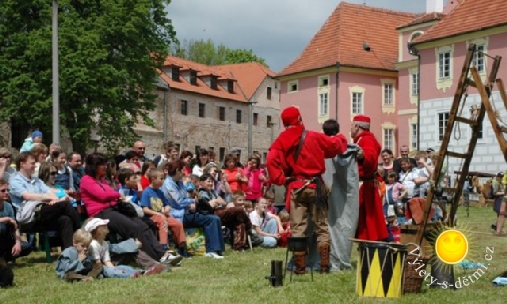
[[451, 246]]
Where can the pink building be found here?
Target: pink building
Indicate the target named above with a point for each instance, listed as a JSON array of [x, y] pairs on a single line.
[[440, 40], [348, 68]]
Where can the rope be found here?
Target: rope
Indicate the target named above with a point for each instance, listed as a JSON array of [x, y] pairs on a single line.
[[457, 131]]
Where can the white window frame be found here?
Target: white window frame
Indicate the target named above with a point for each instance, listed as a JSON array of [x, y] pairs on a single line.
[[290, 84], [482, 136], [356, 90], [321, 80], [389, 127], [444, 81], [413, 133], [324, 104], [388, 98], [439, 127], [414, 83], [481, 43], [414, 98]]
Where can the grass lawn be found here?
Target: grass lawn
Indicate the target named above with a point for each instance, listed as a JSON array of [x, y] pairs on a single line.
[[239, 278]]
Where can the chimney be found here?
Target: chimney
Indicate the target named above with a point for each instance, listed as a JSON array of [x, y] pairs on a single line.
[[434, 6]]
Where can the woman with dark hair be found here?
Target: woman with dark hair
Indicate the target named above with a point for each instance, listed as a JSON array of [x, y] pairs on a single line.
[[202, 159], [99, 199], [186, 158], [111, 171], [387, 162], [183, 209], [145, 170]]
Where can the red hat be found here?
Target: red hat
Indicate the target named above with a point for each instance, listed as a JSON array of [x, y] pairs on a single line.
[[290, 116], [362, 118]]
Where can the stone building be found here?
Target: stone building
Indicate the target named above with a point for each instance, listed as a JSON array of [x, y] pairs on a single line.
[[212, 107]]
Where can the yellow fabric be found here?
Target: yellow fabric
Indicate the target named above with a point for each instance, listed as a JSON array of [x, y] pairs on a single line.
[[504, 179]]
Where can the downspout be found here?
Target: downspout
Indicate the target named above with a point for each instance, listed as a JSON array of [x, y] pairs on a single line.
[[418, 100], [337, 90], [166, 113]]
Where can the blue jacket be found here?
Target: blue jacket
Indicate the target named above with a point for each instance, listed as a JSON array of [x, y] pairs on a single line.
[[68, 261], [177, 195]]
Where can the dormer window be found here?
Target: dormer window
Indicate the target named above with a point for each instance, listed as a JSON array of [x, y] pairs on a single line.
[[175, 74], [230, 86], [193, 78], [213, 82]]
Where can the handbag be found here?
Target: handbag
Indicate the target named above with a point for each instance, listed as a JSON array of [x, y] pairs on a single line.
[[125, 208]]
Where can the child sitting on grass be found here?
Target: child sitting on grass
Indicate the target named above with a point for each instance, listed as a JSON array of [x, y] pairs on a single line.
[[285, 220], [156, 206], [98, 251], [73, 264], [265, 224]]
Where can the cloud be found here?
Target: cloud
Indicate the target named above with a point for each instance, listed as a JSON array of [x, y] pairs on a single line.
[[275, 30]]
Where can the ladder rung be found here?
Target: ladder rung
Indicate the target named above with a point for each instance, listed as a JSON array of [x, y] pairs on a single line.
[[465, 120], [504, 129], [450, 190], [456, 154]]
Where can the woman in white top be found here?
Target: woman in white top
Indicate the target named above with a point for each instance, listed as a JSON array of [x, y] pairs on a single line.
[[202, 158]]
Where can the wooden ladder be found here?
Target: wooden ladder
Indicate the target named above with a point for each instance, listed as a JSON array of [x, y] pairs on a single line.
[[476, 125], [492, 115]]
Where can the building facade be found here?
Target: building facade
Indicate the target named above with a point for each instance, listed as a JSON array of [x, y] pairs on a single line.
[[442, 49], [348, 68], [212, 107]]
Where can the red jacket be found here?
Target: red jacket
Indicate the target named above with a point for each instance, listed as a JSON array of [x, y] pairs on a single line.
[[310, 163], [372, 225]]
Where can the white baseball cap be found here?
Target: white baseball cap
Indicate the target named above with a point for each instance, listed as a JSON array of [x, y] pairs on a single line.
[[94, 223]]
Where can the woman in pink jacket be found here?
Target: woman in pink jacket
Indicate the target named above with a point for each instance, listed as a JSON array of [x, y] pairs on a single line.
[[99, 199]]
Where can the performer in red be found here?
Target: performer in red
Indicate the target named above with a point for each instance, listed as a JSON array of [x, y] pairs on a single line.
[[372, 225], [301, 174]]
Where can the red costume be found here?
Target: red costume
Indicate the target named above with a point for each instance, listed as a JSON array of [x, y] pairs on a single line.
[[372, 225], [310, 164]]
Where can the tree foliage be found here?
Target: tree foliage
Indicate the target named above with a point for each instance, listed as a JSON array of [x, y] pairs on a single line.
[[207, 52], [108, 54]]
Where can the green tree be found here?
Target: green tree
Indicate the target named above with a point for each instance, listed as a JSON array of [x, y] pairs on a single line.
[[109, 51], [206, 52]]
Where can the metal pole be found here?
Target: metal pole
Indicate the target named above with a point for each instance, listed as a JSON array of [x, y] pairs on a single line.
[[250, 127], [56, 97]]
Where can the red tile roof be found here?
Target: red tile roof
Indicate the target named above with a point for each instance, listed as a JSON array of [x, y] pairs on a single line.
[[247, 76], [341, 39], [468, 16], [423, 19]]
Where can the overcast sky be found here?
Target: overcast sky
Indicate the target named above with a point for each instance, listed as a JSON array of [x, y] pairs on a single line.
[[276, 30]]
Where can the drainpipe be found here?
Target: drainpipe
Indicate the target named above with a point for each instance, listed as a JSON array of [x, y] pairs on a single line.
[[337, 90], [163, 86], [419, 101], [250, 126]]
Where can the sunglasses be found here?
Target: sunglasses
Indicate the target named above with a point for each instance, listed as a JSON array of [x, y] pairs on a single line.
[[53, 173], [6, 156], [3, 190], [141, 148]]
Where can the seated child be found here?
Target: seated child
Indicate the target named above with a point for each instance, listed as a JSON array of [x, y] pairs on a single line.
[[285, 219], [130, 183], [73, 264], [156, 206], [270, 198], [232, 216], [98, 251], [265, 224]]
